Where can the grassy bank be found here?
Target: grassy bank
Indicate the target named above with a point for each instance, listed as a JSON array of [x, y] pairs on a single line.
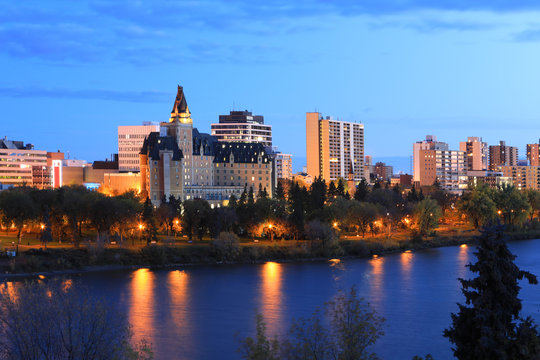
[[91, 257]]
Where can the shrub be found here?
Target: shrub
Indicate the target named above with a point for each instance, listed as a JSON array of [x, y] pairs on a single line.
[[226, 246]]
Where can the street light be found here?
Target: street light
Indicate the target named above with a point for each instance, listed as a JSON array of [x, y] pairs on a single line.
[[271, 232]]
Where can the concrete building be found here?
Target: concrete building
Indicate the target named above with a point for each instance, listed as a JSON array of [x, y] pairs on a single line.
[[383, 171], [181, 161], [130, 141], [430, 143], [434, 162], [476, 152], [334, 148], [242, 126], [523, 177], [533, 154], [17, 161], [502, 155], [494, 179], [283, 165], [49, 176]]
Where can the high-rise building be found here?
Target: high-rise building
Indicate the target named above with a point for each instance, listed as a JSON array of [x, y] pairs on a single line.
[[434, 162], [502, 155], [283, 165], [334, 148], [242, 126], [430, 143], [130, 141], [533, 154], [17, 161], [476, 152], [523, 177], [383, 171], [181, 161]]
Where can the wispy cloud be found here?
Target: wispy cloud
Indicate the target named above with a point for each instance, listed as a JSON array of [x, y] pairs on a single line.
[[85, 94], [529, 35]]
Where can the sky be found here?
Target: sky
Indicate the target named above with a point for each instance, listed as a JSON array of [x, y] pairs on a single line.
[[72, 71]]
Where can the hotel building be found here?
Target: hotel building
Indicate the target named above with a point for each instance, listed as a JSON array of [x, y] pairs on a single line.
[[181, 161], [242, 126], [335, 149], [130, 141]]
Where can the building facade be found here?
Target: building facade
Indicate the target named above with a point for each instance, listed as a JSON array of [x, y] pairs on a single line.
[[283, 165], [242, 126], [523, 177], [533, 154], [476, 152], [334, 148], [185, 163], [18, 161], [130, 141], [502, 155], [430, 143]]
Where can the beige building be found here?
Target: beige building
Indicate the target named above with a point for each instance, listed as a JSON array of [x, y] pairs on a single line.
[[476, 152], [283, 165], [433, 162], [523, 177], [334, 148], [19, 162], [501, 155], [533, 154], [130, 141]]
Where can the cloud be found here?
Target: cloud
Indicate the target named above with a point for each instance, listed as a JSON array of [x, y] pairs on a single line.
[[85, 94], [530, 35]]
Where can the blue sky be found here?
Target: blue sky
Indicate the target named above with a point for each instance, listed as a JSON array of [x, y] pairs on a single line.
[[72, 71]]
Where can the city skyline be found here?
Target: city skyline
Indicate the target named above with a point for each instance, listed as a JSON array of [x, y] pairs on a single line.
[[453, 70]]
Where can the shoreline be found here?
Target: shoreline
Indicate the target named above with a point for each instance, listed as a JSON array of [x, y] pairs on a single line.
[[406, 246]]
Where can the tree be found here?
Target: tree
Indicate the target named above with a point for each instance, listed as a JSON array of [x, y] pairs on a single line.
[[75, 204], [478, 206], [47, 320], [17, 208], [362, 215], [297, 205], [514, 205], [196, 217], [489, 325], [362, 190], [353, 327], [332, 191], [533, 197], [149, 221], [340, 190], [318, 231], [317, 194], [426, 214], [280, 192]]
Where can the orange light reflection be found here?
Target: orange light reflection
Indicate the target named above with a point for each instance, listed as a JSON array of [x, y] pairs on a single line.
[[272, 297], [178, 282], [141, 311], [377, 264]]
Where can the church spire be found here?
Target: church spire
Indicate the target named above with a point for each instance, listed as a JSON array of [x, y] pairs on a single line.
[[180, 109]]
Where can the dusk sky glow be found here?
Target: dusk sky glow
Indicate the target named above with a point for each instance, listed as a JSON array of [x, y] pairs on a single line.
[[73, 71]]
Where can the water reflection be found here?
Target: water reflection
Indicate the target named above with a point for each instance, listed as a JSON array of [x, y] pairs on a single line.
[[8, 289], [377, 283], [141, 313], [463, 260], [178, 284], [271, 296], [406, 259]]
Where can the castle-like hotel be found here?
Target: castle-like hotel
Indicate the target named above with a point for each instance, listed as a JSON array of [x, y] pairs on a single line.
[[183, 162]]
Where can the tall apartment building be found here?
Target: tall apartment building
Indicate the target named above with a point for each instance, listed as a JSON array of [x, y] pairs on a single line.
[[181, 161], [283, 165], [130, 141], [242, 126], [430, 143], [501, 155], [523, 177], [533, 154], [17, 161], [383, 171], [434, 162], [476, 153], [334, 148]]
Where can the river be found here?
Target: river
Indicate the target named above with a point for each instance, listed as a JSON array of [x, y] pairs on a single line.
[[201, 312]]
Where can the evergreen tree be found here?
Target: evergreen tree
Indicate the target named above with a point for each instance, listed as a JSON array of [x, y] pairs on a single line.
[[260, 192], [332, 191], [280, 192], [233, 202], [317, 194], [377, 185], [362, 190], [412, 196], [243, 197], [250, 198], [149, 220], [489, 326], [340, 191]]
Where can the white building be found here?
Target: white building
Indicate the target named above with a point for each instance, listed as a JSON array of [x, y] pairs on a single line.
[[242, 126], [130, 141]]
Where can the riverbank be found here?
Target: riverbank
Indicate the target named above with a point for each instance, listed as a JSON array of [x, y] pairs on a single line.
[[59, 261]]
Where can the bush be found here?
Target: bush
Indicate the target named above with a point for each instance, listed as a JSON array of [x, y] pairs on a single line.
[[226, 246]]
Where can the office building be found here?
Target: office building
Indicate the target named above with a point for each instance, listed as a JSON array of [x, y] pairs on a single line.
[[334, 148], [476, 152], [502, 155], [17, 161], [533, 152], [130, 141], [242, 126]]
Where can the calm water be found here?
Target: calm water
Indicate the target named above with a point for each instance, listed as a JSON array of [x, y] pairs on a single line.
[[199, 312]]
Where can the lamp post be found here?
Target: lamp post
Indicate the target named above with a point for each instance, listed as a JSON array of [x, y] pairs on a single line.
[[271, 233]]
